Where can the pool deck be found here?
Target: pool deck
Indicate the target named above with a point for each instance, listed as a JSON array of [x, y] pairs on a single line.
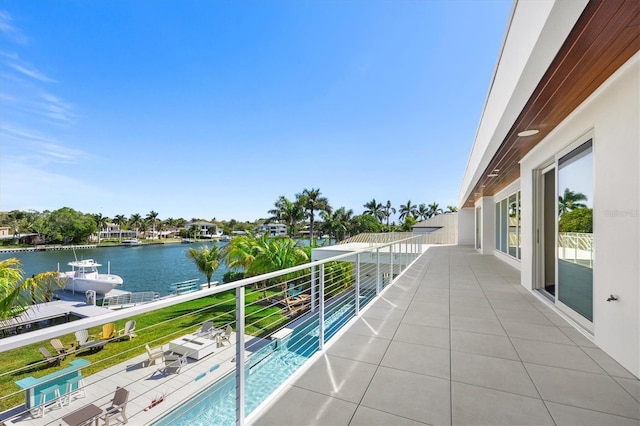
[[458, 341], [145, 383]]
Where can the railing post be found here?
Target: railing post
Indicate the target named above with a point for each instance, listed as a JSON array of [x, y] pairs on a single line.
[[314, 289], [240, 372], [406, 250], [358, 284], [321, 310], [390, 264], [378, 271]]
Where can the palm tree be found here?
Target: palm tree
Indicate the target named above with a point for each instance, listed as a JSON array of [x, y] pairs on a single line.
[[570, 201], [274, 254], [374, 209], [338, 223], [240, 253], [290, 212], [408, 210], [434, 209], [16, 296], [260, 255], [121, 221], [152, 216], [207, 260], [135, 220], [451, 209], [160, 228], [422, 212], [312, 202], [101, 223], [388, 211]]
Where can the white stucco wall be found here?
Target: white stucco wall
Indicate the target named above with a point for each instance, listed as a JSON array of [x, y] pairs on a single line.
[[612, 116], [466, 227], [488, 225]]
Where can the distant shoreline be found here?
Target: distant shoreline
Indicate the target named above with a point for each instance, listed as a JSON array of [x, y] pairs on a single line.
[[57, 247]]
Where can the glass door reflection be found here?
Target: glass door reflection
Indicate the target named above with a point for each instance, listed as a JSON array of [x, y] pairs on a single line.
[[575, 230]]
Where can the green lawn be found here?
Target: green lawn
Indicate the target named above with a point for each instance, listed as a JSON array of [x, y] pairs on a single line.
[[155, 328]]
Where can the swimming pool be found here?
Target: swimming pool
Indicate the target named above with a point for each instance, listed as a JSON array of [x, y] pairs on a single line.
[[267, 369]]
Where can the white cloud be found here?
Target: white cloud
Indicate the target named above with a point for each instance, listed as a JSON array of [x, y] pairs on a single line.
[[58, 110], [23, 67], [38, 148], [7, 28], [30, 71]]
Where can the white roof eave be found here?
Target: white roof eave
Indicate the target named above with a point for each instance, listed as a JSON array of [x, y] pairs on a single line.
[[535, 34]]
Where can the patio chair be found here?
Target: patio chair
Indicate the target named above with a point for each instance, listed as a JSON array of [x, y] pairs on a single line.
[[226, 336], [173, 363], [83, 338], [52, 360], [206, 329], [59, 347], [108, 331], [156, 354], [293, 291], [128, 330], [117, 407], [295, 304]]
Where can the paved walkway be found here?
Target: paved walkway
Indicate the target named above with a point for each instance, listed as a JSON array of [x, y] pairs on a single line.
[[457, 340]]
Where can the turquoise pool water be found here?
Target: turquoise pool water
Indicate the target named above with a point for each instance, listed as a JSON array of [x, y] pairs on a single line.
[[265, 371]]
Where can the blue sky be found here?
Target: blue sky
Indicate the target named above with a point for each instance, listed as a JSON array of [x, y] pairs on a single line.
[[214, 109]]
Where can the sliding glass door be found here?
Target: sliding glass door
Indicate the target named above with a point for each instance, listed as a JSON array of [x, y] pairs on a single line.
[[575, 230], [564, 232]]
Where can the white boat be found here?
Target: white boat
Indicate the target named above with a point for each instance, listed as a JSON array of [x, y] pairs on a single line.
[[131, 242], [225, 238], [187, 241], [84, 276]]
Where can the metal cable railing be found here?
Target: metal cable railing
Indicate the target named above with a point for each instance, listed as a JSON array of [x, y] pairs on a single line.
[[576, 247], [129, 299], [278, 321]]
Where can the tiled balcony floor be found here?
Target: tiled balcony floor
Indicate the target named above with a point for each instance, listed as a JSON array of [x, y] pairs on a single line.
[[458, 341]]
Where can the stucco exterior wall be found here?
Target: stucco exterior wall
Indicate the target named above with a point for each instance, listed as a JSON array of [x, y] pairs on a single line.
[[612, 116]]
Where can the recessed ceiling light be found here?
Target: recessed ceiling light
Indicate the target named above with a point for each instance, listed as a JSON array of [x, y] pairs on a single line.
[[492, 175], [528, 132]]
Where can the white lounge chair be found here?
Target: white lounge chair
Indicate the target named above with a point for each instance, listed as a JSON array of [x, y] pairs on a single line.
[[128, 330], [206, 329], [173, 363], [83, 338], [226, 336], [156, 354]]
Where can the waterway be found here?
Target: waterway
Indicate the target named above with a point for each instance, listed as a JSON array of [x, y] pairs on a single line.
[[143, 268]]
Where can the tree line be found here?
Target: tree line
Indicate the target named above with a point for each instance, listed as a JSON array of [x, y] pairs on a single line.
[[307, 214], [296, 213]]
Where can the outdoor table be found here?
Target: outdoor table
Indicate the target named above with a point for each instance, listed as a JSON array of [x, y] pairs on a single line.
[[195, 347], [86, 414], [33, 386]]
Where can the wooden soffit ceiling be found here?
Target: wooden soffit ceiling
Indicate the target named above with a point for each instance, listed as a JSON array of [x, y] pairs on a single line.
[[605, 36]]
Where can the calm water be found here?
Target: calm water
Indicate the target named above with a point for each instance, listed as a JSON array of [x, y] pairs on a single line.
[[143, 268]]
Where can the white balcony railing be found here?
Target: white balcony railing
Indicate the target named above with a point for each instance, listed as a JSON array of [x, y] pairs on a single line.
[[576, 247], [280, 321]]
